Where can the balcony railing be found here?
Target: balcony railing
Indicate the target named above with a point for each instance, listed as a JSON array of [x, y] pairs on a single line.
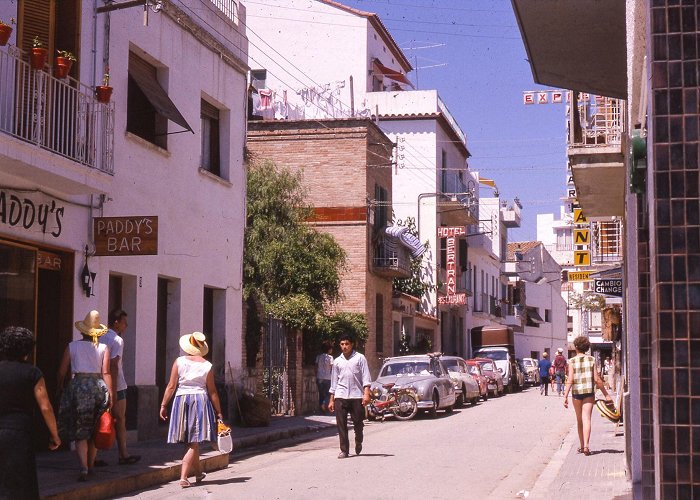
[[391, 260], [596, 121], [62, 116]]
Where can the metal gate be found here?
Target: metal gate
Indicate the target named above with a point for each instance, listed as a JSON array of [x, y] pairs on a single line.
[[275, 376]]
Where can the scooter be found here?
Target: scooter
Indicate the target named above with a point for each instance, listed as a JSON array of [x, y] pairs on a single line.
[[401, 402]]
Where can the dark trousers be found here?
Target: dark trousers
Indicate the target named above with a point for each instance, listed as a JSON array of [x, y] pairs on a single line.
[[544, 384], [357, 411]]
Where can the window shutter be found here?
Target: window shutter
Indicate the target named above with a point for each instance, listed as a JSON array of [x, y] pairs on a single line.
[[37, 18]]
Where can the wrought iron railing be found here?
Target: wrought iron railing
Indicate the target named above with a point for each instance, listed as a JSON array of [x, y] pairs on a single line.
[[60, 115], [228, 7], [392, 256], [595, 121]]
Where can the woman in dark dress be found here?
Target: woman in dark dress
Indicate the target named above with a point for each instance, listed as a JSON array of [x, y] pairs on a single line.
[[21, 389]]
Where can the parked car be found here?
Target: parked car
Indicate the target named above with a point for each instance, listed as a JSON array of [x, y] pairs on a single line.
[[488, 366], [466, 388], [478, 375], [426, 374], [532, 371]]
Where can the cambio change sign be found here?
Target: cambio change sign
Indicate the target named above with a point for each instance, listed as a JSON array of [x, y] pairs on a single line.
[[608, 287]]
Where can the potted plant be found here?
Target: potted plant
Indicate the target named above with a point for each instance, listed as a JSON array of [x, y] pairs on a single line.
[[64, 61], [5, 31], [39, 54], [104, 92]]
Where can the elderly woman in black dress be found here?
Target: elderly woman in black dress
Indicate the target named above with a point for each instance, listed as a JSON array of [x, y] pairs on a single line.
[[22, 388]]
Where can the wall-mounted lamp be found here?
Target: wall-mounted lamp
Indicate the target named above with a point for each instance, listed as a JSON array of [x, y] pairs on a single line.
[[87, 278]]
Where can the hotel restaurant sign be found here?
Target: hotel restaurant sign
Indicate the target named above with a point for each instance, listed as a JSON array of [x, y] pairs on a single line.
[[121, 236], [451, 234]]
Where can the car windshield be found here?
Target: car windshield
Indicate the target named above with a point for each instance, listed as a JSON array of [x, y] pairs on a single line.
[[495, 355], [406, 368], [487, 366], [473, 369], [451, 364]]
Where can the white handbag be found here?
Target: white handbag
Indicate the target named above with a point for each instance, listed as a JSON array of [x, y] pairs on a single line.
[[224, 440]]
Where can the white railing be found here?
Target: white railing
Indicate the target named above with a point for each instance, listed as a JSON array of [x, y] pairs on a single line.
[[60, 115], [596, 121], [228, 7]]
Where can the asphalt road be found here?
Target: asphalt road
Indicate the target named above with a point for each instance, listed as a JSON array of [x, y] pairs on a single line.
[[493, 450]]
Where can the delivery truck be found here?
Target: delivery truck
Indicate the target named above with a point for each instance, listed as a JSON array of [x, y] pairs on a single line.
[[496, 342]]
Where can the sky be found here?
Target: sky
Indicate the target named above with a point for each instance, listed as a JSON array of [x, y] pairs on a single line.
[[472, 53]]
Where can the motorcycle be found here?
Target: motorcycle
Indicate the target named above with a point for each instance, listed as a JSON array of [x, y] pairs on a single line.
[[401, 402]]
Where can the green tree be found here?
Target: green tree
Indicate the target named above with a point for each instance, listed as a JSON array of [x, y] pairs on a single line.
[[290, 270]]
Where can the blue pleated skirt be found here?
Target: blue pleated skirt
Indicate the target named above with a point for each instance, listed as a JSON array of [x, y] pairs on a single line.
[[192, 419]]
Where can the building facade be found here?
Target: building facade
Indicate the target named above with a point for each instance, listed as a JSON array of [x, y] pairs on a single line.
[[102, 205]]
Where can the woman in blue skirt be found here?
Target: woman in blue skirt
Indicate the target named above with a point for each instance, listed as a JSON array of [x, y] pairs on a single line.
[[196, 406]]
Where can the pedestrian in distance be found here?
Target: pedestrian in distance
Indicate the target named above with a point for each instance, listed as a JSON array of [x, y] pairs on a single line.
[[23, 387], [196, 406], [324, 369], [559, 365], [349, 393], [544, 365], [113, 339], [88, 393], [582, 378]]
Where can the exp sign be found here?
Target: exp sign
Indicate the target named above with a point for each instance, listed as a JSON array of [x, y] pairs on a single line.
[[118, 236]]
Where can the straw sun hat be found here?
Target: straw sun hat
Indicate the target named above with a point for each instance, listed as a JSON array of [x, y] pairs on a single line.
[[607, 409], [91, 326], [194, 344]]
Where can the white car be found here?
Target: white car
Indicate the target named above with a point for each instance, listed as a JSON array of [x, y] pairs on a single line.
[[466, 388]]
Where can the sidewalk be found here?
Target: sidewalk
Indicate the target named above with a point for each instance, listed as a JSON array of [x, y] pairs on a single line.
[[160, 462], [601, 475]]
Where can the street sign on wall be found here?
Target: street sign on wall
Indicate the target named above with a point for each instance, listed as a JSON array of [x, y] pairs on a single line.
[[579, 275], [608, 286]]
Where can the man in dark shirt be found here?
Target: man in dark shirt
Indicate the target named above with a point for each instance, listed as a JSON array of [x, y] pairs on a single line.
[[544, 365]]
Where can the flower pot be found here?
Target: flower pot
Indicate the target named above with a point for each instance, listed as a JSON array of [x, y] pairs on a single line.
[[5, 32], [62, 68], [103, 93], [38, 57]]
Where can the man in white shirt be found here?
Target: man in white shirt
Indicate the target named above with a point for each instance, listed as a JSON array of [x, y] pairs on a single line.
[[113, 340], [349, 393]]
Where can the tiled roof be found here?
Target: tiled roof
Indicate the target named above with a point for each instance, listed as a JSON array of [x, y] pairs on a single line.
[[520, 246]]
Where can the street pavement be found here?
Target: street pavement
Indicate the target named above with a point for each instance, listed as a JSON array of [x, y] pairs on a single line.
[[519, 446]]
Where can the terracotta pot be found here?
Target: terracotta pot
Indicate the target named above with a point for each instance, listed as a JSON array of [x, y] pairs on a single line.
[[5, 32], [62, 68], [103, 93], [38, 57]]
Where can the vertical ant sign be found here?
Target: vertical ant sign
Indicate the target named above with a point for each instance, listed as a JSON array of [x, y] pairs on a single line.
[[451, 234]]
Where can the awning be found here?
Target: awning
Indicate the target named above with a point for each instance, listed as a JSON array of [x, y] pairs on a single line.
[[576, 44], [144, 76], [488, 182], [390, 73], [533, 315]]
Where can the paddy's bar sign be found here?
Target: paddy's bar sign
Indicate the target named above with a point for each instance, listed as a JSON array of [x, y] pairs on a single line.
[[119, 236]]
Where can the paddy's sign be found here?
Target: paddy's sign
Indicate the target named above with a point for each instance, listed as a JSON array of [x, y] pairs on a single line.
[[119, 236]]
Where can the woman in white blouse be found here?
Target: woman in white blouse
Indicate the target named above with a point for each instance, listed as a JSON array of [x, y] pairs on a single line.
[[196, 406]]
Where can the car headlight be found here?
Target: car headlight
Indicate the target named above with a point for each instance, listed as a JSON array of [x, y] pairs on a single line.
[[376, 392]]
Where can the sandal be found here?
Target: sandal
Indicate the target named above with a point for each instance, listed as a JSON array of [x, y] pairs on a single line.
[[184, 483], [586, 451], [83, 476], [200, 477], [129, 460], [579, 450]]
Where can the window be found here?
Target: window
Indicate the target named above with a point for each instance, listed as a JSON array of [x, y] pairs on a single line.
[[379, 327], [381, 198], [258, 78], [211, 156], [148, 106], [443, 172], [547, 316]]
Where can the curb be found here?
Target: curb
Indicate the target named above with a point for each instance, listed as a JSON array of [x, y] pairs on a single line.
[[211, 461], [542, 487], [265, 438]]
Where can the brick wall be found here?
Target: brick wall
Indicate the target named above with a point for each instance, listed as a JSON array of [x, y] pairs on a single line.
[[342, 161]]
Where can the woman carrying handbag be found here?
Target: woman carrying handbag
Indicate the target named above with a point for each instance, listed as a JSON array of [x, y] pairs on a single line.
[[196, 406]]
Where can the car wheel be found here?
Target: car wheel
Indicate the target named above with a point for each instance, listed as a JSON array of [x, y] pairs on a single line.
[[460, 399], [436, 403], [485, 397], [449, 409], [474, 401]]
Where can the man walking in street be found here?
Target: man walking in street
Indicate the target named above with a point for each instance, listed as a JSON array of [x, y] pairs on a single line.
[[113, 340], [560, 370], [349, 393], [544, 365]]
